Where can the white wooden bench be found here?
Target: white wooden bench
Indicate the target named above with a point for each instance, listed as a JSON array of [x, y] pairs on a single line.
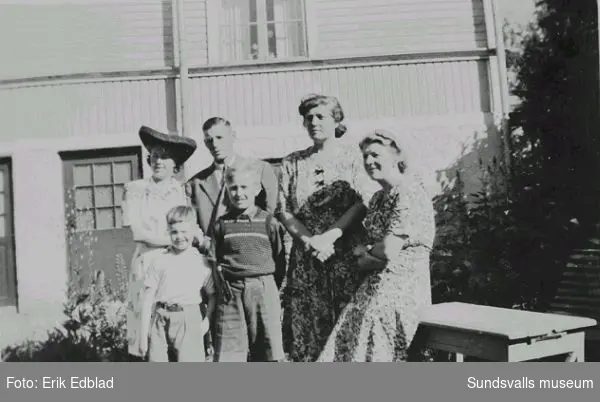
[[500, 334]]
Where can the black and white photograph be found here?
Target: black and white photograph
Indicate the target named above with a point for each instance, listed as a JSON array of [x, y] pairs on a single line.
[[299, 181]]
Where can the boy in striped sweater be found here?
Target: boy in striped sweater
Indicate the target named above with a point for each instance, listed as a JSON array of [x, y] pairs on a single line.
[[249, 249]]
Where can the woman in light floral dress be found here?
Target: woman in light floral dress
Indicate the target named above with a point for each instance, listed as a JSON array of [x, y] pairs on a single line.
[[145, 205], [379, 324], [321, 203]]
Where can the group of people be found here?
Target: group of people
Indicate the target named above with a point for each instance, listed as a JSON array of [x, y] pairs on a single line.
[[211, 261]]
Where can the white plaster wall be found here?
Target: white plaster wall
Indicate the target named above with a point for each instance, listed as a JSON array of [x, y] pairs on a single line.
[[39, 221]]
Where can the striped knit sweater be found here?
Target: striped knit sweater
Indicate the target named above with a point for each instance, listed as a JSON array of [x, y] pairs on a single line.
[[250, 244]]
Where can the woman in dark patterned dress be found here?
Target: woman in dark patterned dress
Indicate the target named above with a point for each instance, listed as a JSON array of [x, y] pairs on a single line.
[[381, 320], [322, 203]]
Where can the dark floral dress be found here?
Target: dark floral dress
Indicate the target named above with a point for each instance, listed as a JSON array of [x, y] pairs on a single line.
[[380, 322], [318, 194]]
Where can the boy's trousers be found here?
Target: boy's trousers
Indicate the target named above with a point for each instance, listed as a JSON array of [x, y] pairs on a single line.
[[248, 327], [177, 334]]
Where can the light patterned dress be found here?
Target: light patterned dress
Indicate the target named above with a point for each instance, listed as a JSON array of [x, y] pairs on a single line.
[[318, 194], [145, 207], [380, 322]]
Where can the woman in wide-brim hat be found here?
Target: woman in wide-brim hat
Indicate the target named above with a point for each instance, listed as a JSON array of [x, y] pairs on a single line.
[[145, 205]]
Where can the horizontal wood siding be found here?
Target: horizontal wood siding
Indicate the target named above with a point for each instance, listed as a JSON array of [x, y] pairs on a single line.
[[93, 36], [196, 38], [58, 111], [366, 92], [358, 27]]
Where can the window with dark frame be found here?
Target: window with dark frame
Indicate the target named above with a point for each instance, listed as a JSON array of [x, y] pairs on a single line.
[[94, 183], [8, 273], [98, 191]]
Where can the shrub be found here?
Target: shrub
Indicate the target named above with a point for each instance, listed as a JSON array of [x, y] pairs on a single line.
[[95, 327]]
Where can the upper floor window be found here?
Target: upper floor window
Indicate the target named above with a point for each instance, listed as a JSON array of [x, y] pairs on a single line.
[[261, 30]]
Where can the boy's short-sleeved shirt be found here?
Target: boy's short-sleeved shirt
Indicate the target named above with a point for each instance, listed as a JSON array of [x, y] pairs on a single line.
[[180, 278]]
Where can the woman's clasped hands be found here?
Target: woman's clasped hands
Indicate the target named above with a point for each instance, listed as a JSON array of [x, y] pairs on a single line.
[[322, 246]]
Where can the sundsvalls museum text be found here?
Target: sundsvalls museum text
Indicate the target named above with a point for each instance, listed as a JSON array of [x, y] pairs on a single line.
[[60, 383], [527, 383]]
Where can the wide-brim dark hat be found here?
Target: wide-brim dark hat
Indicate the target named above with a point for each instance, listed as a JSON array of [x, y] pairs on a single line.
[[181, 147]]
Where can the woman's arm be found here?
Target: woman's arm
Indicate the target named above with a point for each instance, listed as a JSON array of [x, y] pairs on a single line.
[[293, 226], [132, 220], [391, 243], [368, 262], [356, 213], [409, 222]]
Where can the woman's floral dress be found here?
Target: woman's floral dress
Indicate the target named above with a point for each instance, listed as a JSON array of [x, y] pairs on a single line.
[[318, 194], [380, 322], [145, 207]]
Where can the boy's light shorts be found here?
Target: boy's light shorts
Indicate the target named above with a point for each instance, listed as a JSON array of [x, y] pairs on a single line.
[[177, 333]]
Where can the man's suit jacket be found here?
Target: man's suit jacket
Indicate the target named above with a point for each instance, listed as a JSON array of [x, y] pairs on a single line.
[[203, 190]]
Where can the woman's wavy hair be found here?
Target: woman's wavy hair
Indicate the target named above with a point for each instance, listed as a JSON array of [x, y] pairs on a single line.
[[313, 100], [178, 166], [387, 139]]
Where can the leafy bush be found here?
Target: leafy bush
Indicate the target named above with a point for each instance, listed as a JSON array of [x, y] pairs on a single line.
[[508, 246], [95, 328], [475, 259], [94, 331]]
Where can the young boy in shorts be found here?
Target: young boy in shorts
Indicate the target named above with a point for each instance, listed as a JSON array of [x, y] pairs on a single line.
[[249, 250], [173, 292]]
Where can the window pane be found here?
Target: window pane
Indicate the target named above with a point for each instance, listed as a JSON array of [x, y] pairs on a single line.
[[1, 203], [83, 198], [82, 175], [105, 218], [286, 39], [102, 174], [239, 43], [104, 196], [252, 10], [285, 10], [118, 195], [239, 40], [1, 181], [122, 172], [2, 226], [237, 11], [85, 220]]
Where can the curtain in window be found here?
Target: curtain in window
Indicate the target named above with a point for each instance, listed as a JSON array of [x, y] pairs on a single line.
[[286, 33], [278, 25], [235, 19]]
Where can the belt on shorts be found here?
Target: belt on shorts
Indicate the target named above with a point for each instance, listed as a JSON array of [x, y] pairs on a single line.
[[170, 307]]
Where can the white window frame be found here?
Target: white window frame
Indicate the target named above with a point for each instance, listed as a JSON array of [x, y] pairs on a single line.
[[213, 10]]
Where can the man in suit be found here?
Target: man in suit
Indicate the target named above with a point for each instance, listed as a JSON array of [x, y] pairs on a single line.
[[207, 194], [206, 188]]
